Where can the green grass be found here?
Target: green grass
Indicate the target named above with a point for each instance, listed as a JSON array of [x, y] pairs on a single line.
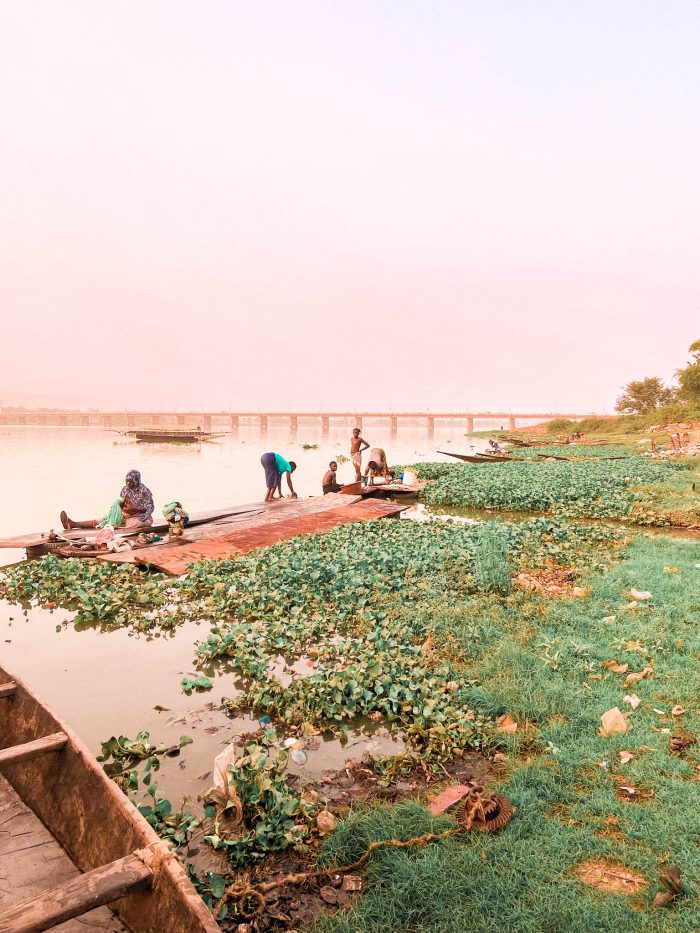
[[545, 671]]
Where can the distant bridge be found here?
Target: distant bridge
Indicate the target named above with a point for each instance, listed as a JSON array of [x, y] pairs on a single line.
[[231, 419]]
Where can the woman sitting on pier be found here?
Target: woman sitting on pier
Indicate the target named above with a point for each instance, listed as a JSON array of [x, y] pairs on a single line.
[[136, 507], [275, 465]]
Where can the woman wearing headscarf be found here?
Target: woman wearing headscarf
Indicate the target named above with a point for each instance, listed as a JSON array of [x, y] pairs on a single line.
[[133, 508]]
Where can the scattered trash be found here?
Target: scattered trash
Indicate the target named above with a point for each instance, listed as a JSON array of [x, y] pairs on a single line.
[[639, 675], [610, 877], [640, 594], [677, 711], [616, 667], [325, 821], [448, 797], [632, 700], [613, 723], [484, 811], [681, 741], [507, 724], [351, 883], [669, 878]]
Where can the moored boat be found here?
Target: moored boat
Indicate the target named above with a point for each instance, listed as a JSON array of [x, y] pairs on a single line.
[[73, 843]]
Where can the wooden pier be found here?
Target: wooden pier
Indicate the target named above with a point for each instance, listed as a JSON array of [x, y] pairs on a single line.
[[279, 521]]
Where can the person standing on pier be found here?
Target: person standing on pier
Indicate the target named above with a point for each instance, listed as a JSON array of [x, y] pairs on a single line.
[[275, 466], [357, 445]]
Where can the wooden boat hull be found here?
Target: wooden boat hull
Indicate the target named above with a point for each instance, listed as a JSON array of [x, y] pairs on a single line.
[[475, 458], [89, 816]]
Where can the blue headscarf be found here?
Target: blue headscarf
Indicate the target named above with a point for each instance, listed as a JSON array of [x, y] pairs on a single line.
[[138, 496]]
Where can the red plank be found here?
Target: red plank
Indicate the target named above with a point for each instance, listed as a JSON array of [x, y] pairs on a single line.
[[174, 561]]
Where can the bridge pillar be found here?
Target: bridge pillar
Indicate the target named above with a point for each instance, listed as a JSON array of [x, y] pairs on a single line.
[[358, 422], [180, 419], [293, 424], [234, 422], [393, 426], [155, 419], [106, 421], [511, 423], [263, 424], [85, 421], [131, 421], [63, 420], [207, 422], [470, 424], [325, 426], [431, 426]]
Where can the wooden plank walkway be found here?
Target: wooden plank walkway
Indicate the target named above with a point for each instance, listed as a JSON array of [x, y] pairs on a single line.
[[31, 861], [305, 516]]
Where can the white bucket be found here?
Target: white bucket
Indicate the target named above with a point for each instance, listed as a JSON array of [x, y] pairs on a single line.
[[410, 478]]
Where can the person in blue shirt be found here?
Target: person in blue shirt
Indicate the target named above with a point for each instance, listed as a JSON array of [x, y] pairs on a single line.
[[275, 465]]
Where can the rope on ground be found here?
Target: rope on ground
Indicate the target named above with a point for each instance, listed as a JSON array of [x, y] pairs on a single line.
[[250, 900]]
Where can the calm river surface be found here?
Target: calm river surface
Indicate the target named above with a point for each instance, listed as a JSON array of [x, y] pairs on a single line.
[[107, 683]]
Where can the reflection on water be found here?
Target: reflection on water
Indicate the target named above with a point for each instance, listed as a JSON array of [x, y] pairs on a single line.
[[107, 683]]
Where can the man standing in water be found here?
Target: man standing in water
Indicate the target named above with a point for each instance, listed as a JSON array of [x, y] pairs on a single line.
[[357, 445]]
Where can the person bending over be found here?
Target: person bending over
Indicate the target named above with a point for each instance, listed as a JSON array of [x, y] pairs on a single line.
[[275, 467], [377, 465]]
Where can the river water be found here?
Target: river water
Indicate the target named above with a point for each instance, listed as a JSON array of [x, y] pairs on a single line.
[[109, 683]]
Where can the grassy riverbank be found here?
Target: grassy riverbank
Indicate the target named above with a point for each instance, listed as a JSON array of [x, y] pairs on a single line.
[[547, 663], [435, 632]]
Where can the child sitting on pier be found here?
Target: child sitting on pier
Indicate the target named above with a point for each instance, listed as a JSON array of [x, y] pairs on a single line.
[[330, 480]]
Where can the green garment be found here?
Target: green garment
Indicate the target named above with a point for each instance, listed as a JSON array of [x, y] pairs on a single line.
[[114, 517], [282, 465]]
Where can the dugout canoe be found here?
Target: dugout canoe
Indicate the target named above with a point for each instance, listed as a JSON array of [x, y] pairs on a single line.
[[476, 458], [171, 435], [72, 844]]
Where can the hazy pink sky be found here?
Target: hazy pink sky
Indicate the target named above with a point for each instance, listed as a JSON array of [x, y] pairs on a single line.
[[391, 204]]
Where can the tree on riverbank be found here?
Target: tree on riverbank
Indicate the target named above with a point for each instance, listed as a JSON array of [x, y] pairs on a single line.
[[645, 395], [689, 378]]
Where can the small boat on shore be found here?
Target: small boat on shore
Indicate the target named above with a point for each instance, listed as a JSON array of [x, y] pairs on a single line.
[[73, 845]]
